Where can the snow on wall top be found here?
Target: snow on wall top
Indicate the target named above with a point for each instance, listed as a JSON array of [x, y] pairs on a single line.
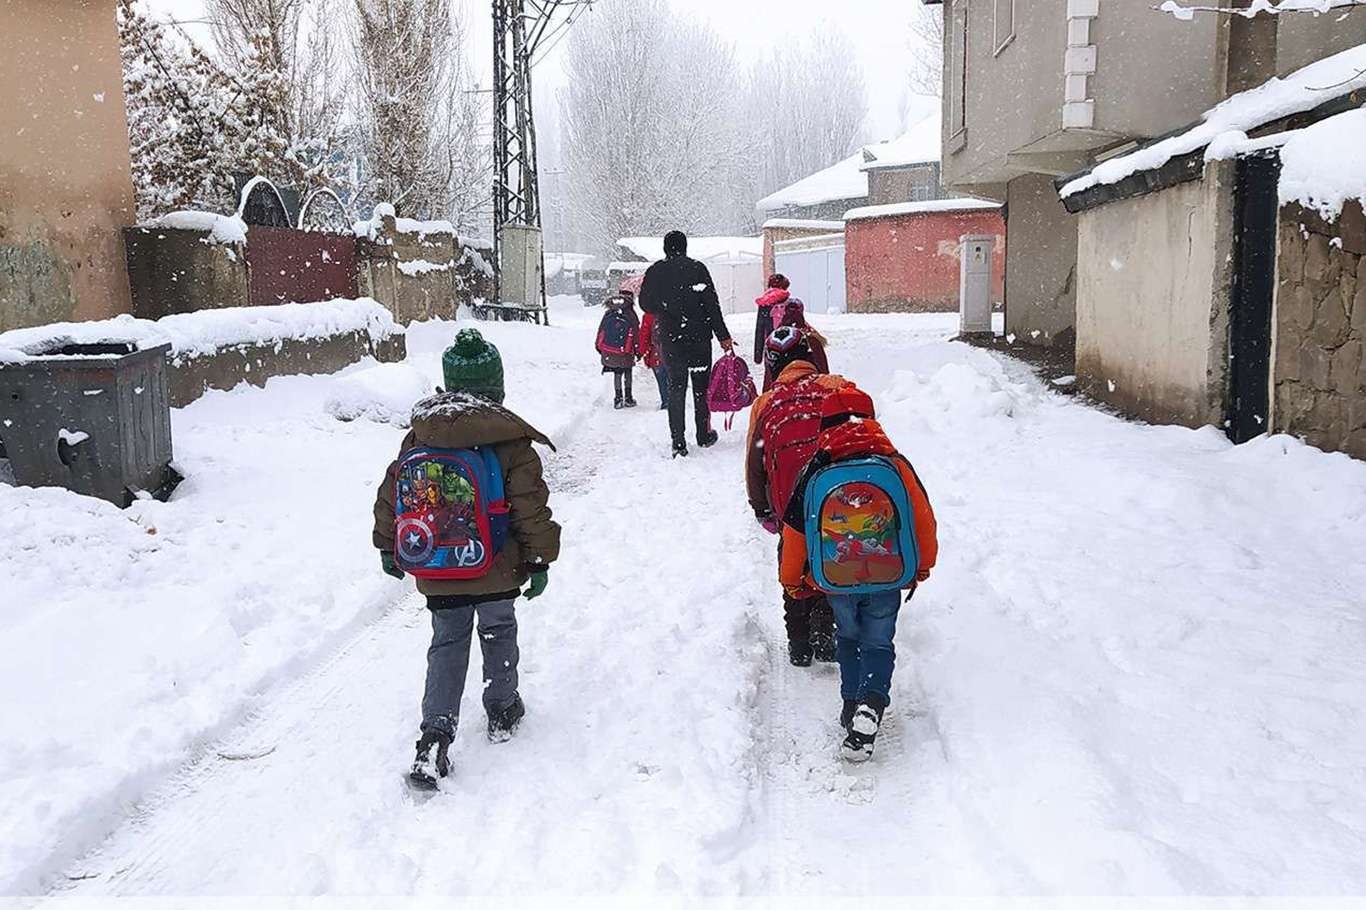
[[1300, 91], [221, 228], [964, 204], [1324, 164], [370, 228], [804, 224], [195, 334], [703, 249]]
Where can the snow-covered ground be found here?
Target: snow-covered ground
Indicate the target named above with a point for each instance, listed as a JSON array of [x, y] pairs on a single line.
[[1136, 671]]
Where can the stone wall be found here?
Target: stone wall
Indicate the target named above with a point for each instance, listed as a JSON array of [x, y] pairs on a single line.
[[1319, 373], [422, 276]]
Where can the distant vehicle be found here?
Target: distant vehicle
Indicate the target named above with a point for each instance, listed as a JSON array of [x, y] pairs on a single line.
[[593, 284], [619, 274]]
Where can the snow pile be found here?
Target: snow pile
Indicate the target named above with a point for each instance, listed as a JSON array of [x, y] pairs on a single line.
[[204, 332], [1300, 91], [220, 228], [949, 387], [476, 260], [1324, 165], [384, 393], [962, 204]]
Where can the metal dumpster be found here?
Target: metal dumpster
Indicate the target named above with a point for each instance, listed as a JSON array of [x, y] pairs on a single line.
[[93, 418]]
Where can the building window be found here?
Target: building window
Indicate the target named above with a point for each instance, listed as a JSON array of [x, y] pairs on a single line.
[[958, 54], [1003, 26]]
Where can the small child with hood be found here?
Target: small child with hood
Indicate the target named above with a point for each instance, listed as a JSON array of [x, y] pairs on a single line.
[[619, 345], [777, 294], [794, 314], [431, 503]]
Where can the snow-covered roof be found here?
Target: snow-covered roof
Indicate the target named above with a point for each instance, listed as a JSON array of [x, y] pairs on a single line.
[[843, 181], [1324, 165], [704, 249], [631, 267], [803, 224], [920, 145], [1229, 122], [848, 180], [963, 204]]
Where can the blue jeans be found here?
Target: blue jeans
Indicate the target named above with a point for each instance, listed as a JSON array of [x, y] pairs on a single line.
[[865, 625]]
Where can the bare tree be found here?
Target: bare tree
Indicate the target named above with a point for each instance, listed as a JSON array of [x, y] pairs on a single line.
[[653, 126], [927, 50], [807, 106]]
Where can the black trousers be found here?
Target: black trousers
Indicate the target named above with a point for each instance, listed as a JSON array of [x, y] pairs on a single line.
[[621, 379], [680, 374]]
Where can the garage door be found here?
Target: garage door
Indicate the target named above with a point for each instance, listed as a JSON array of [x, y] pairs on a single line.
[[817, 276]]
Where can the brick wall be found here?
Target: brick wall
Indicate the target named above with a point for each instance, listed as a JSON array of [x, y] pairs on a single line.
[[909, 263], [1319, 378]]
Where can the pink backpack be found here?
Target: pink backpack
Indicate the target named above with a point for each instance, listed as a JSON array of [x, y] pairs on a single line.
[[731, 387]]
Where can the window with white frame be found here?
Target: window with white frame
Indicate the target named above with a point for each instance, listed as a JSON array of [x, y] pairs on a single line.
[[1003, 25]]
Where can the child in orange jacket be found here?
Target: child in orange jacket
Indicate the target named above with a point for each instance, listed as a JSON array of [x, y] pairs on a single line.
[[865, 624]]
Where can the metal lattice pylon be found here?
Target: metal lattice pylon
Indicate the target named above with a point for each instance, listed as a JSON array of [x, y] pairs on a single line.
[[520, 27]]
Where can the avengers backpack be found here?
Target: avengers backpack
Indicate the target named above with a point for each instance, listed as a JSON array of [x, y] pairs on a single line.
[[859, 527], [450, 512]]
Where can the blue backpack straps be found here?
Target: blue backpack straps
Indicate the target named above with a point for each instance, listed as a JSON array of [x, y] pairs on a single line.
[[497, 497], [859, 527]]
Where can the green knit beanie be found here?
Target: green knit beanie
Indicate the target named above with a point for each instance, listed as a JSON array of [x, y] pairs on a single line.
[[473, 365]]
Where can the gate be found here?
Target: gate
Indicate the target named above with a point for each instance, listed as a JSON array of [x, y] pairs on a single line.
[[815, 267], [289, 266], [1256, 207]]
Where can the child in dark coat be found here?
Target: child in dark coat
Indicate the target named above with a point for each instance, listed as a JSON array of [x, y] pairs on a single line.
[[619, 345]]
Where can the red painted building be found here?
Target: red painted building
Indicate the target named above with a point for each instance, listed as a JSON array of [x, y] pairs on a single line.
[[904, 257]]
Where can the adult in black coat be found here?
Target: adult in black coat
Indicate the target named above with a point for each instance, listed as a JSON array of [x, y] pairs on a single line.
[[681, 295]]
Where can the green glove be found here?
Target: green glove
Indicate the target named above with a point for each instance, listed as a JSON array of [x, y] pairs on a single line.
[[386, 559], [539, 579]]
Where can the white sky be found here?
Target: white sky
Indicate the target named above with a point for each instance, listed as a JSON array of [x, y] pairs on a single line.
[[878, 28]]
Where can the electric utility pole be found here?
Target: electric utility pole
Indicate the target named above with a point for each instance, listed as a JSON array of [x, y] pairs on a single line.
[[524, 31]]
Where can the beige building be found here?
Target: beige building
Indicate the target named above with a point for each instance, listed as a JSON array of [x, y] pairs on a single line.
[[65, 187], [1039, 90]]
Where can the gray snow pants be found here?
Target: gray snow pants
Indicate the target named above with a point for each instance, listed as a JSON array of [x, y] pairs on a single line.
[[448, 661]]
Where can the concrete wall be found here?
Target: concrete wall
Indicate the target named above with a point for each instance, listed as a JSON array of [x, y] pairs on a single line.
[[1319, 372], [910, 263], [1041, 264], [175, 271], [889, 185], [1302, 39], [1153, 279], [65, 185]]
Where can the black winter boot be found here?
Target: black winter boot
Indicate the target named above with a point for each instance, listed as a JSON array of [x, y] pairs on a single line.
[[823, 645], [432, 762], [618, 403], [708, 439], [799, 653], [847, 713], [504, 723], [680, 450], [863, 729], [630, 402]]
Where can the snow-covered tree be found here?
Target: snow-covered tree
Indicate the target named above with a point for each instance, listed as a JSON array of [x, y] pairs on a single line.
[[654, 127], [418, 122], [250, 34], [192, 125]]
